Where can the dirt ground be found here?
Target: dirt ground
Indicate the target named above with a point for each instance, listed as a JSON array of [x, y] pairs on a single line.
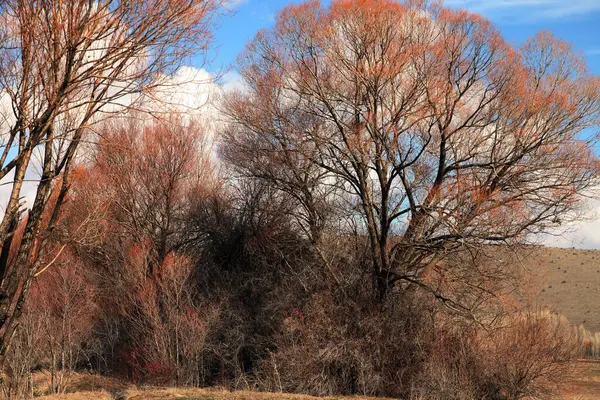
[[585, 383]]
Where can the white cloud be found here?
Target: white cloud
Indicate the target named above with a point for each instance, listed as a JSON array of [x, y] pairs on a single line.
[[28, 190], [528, 10], [233, 4], [189, 91], [233, 81], [584, 234]]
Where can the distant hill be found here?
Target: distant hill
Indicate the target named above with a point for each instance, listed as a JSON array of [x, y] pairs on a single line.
[[567, 281]]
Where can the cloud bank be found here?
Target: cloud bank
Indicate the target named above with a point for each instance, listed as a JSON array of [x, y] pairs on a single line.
[[528, 10]]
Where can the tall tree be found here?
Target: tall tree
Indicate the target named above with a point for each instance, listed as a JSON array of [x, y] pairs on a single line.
[[444, 136], [125, 221], [63, 64]]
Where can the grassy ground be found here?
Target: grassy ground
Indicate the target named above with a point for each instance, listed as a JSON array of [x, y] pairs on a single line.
[[203, 394], [583, 385], [95, 387], [79, 396], [187, 394]]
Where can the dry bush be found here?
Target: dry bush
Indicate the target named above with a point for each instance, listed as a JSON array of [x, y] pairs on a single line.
[[249, 249], [167, 329], [530, 356], [340, 340], [590, 342], [526, 358], [22, 359], [120, 295], [149, 173], [451, 369], [56, 331]]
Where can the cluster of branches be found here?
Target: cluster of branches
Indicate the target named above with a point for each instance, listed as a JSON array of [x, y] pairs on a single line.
[[160, 271], [115, 293]]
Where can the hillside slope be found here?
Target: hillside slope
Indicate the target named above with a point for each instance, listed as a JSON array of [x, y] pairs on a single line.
[[567, 281]]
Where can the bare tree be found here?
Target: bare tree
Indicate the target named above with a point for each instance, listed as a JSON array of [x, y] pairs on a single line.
[[62, 64], [152, 172], [129, 226], [261, 144], [443, 135]]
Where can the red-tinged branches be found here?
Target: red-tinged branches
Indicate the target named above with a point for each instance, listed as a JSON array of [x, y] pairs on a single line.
[[64, 64], [154, 171], [438, 133], [128, 226], [376, 152]]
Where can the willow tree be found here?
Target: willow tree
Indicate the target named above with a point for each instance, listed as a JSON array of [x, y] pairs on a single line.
[[442, 134], [63, 64]]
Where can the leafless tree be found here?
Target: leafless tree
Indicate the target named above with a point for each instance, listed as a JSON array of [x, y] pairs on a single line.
[[443, 135], [129, 225], [62, 65]]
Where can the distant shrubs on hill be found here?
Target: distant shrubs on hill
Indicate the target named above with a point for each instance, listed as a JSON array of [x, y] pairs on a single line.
[[590, 342]]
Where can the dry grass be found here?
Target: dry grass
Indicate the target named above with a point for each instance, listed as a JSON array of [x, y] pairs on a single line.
[[80, 386], [568, 282], [80, 396], [214, 394], [95, 387], [188, 394], [585, 384]]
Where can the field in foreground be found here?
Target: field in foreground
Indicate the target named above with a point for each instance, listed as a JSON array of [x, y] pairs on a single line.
[[154, 393], [583, 385], [186, 394], [96, 387]]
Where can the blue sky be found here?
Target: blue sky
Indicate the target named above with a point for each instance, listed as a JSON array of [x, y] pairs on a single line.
[[577, 21]]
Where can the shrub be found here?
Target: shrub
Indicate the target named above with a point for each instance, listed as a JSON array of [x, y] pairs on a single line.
[[528, 356]]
